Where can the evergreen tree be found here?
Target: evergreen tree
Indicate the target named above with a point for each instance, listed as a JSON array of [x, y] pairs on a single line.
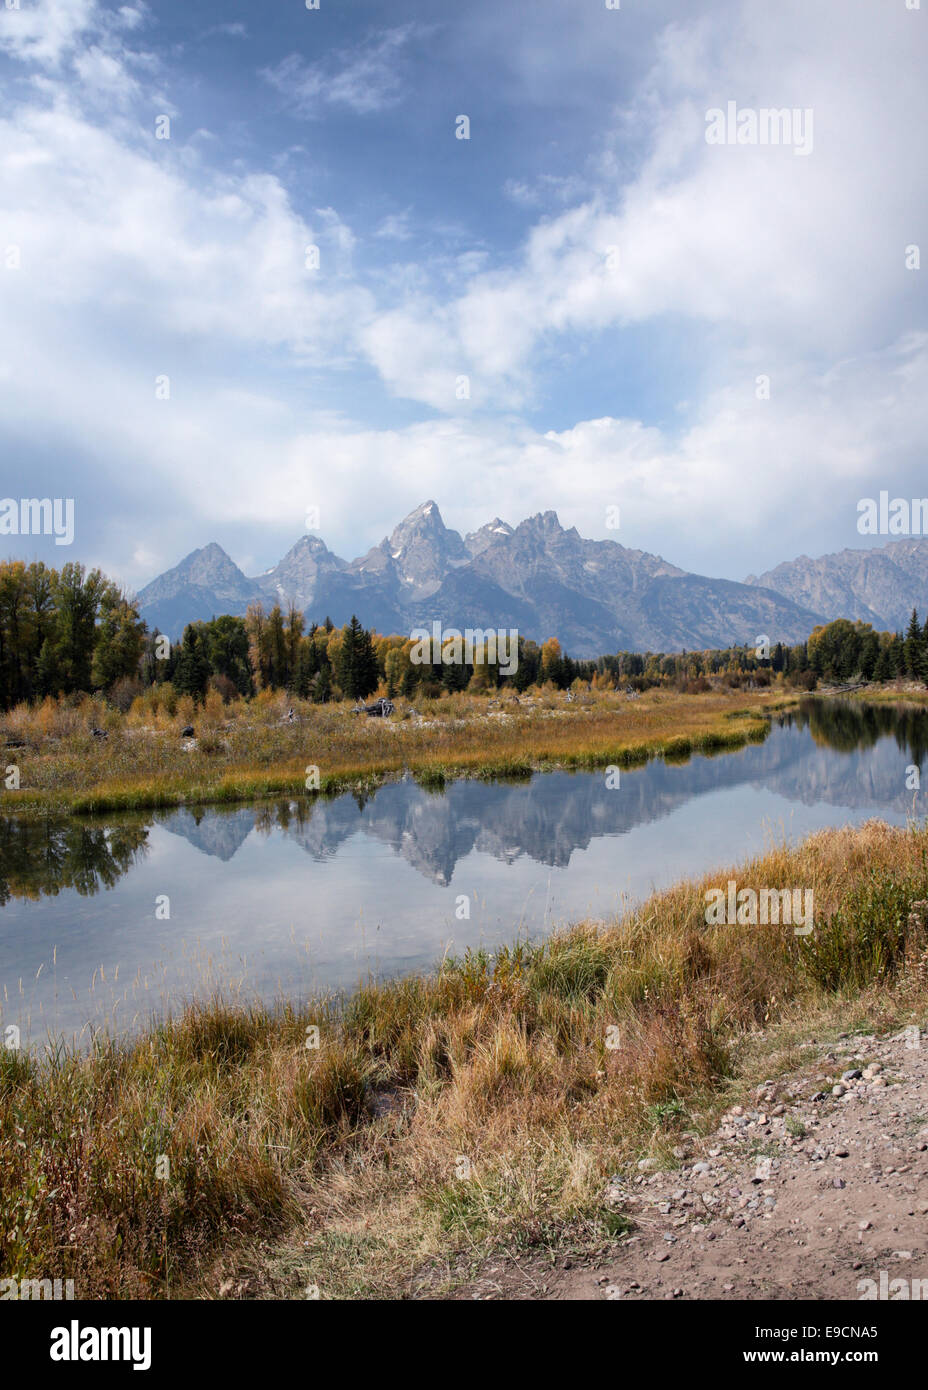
[[883, 670], [915, 656], [869, 655], [192, 672], [897, 655], [357, 663]]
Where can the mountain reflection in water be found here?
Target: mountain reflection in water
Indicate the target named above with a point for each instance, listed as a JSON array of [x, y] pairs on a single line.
[[303, 894]]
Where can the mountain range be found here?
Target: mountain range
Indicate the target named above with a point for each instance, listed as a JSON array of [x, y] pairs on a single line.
[[545, 581], [879, 586]]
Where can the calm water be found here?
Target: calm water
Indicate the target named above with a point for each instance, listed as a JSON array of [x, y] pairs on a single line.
[[300, 897]]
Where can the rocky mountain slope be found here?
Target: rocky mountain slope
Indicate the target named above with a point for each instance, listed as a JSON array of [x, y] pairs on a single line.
[[538, 577], [879, 586]]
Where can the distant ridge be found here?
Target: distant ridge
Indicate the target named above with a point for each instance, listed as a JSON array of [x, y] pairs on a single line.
[[879, 586], [595, 596]]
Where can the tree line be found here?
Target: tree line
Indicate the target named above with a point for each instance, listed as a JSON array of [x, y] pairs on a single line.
[[73, 630], [841, 651], [276, 651]]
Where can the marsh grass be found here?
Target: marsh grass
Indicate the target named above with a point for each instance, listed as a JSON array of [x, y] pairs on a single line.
[[340, 1166], [246, 750]]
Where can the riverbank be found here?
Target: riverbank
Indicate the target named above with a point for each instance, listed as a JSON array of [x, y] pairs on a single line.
[[133, 764], [478, 1114]]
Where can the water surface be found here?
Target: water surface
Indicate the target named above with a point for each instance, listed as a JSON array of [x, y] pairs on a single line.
[[298, 897]]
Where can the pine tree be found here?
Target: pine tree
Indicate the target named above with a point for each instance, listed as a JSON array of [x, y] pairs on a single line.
[[357, 662], [192, 671], [916, 664], [883, 671], [897, 655]]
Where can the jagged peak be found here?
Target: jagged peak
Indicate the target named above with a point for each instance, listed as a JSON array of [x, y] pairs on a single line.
[[547, 521], [427, 509], [211, 554]]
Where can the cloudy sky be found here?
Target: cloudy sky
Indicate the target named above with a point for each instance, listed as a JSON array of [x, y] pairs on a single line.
[[611, 285]]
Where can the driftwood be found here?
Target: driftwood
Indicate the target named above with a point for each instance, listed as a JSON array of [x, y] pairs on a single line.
[[380, 709]]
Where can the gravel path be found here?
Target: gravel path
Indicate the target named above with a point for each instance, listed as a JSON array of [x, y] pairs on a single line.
[[819, 1186]]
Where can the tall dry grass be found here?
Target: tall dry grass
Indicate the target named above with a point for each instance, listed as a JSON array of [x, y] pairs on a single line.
[[247, 749], [477, 1108]]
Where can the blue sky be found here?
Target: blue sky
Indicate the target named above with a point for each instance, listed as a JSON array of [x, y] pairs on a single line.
[[594, 382]]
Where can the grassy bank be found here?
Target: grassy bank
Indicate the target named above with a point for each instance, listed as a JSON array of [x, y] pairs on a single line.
[[911, 693], [440, 1118], [249, 750]]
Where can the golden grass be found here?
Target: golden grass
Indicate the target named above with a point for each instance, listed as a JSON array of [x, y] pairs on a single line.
[[251, 753], [444, 1117]]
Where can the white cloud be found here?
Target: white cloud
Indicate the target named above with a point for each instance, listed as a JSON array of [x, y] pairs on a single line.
[[365, 79], [45, 31], [191, 252], [750, 240], [747, 484], [106, 76], [139, 258], [395, 227]]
